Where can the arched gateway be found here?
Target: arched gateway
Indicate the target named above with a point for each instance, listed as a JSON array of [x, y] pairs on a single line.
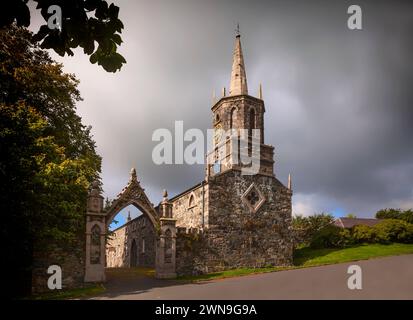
[[98, 221]]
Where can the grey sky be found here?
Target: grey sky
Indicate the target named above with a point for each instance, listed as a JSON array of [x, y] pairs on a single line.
[[338, 102]]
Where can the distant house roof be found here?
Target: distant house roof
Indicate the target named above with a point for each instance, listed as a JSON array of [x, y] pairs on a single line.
[[351, 222]]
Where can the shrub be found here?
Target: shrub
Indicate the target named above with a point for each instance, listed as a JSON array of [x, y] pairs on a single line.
[[393, 230], [406, 236], [327, 237], [387, 231], [362, 233], [330, 236], [346, 238]]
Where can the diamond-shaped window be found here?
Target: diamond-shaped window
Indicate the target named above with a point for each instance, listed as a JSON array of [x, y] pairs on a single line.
[[253, 198]]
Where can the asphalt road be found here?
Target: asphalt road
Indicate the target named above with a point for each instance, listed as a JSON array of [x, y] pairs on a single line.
[[382, 278]]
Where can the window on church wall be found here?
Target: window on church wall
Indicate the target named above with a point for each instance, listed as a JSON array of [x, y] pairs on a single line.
[[143, 245], [216, 167], [191, 202], [253, 198]]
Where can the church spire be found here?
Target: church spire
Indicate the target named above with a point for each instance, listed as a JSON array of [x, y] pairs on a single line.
[[238, 84]]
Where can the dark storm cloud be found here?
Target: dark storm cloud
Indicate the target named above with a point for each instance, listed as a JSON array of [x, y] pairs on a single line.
[[338, 102]]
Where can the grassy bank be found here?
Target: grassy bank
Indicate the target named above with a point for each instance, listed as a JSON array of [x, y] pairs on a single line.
[[308, 257]]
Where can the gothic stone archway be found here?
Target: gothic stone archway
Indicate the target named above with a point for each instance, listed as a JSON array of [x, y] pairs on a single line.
[[98, 221]]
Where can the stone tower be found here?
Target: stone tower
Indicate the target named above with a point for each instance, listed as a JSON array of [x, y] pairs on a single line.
[[236, 112], [249, 213]]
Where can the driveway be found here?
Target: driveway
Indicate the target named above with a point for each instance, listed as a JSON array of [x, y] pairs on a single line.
[[382, 278]]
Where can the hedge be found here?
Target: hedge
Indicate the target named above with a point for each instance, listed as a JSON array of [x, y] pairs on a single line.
[[387, 231]]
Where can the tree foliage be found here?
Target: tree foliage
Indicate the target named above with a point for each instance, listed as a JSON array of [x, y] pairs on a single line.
[[406, 215], [305, 227], [47, 157], [92, 25]]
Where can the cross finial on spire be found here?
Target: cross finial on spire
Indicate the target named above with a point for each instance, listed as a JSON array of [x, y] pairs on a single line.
[[237, 32], [238, 85]]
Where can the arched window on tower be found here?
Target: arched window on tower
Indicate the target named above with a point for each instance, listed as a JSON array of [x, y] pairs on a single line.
[[252, 121], [251, 127], [233, 118]]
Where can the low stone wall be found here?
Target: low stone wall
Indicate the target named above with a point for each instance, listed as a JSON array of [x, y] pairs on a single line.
[[191, 248], [72, 262]]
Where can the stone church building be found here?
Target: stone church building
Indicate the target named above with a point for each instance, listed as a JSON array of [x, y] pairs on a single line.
[[228, 220]]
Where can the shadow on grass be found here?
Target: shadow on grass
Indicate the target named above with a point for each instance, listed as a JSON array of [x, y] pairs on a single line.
[[86, 291]]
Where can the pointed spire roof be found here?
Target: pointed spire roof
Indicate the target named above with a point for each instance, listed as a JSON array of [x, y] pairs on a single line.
[[238, 84]]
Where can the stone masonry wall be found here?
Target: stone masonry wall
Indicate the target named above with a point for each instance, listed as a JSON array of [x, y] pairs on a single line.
[[194, 215], [115, 248], [119, 247], [71, 260], [238, 237]]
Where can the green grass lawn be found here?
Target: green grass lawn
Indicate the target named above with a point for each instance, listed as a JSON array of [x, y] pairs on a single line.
[[307, 257]]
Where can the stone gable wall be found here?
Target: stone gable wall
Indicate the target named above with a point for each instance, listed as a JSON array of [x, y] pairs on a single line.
[[237, 237], [195, 216], [247, 238]]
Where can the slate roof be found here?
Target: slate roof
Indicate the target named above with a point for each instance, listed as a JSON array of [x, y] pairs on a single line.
[[351, 222]]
